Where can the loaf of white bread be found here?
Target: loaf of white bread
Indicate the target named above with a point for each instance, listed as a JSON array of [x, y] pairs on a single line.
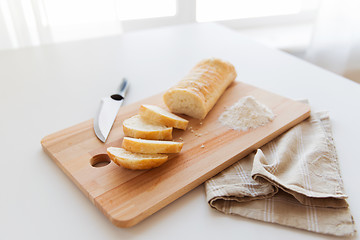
[[197, 93]]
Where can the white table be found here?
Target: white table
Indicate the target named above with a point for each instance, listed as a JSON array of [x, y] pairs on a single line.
[[46, 89]]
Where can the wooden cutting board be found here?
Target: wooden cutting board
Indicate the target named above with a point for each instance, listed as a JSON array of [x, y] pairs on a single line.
[[125, 196]]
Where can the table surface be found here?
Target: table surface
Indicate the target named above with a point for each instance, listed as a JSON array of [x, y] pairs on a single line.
[[48, 88]]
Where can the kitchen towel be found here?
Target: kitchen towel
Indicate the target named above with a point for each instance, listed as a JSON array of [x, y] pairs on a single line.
[[294, 180]]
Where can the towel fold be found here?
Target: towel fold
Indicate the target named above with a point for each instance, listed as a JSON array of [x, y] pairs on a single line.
[[294, 180]]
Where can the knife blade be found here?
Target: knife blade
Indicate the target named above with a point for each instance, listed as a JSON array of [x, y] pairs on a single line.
[[108, 110]]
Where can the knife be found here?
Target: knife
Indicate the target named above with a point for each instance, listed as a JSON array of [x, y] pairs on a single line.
[[108, 110]]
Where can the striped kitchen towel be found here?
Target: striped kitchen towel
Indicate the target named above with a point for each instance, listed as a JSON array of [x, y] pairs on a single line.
[[293, 180]]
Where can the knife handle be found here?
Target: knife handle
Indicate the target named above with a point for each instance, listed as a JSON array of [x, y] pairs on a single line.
[[124, 86]]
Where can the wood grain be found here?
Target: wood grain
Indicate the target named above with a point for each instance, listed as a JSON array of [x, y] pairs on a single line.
[[125, 196]]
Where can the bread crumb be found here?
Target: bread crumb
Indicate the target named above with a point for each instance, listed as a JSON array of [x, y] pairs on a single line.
[[200, 123], [198, 134], [202, 146], [181, 139], [191, 130]]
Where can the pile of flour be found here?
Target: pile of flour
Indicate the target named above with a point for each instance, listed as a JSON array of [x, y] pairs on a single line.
[[246, 113]]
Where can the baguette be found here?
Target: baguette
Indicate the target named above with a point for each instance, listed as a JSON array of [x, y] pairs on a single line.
[[150, 146], [135, 161], [156, 114], [197, 93], [138, 127]]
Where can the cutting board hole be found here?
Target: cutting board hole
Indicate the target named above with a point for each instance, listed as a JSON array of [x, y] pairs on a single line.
[[100, 160]]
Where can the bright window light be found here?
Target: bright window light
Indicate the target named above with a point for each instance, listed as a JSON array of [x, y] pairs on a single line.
[[138, 9], [72, 12], [218, 10]]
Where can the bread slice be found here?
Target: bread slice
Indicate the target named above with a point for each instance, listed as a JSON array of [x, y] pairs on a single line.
[[197, 93], [138, 127], [150, 146], [135, 161], [157, 114]]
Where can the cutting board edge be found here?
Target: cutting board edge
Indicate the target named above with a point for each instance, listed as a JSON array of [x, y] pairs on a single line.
[[47, 140], [67, 173]]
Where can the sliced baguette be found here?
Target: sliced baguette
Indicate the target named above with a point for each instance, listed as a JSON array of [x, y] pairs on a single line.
[[157, 114], [135, 161], [150, 146], [138, 127]]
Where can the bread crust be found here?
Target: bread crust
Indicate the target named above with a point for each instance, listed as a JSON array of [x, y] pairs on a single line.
[[153, 114], [150, 146], [196, 94], [136, 127], [135, 161]]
